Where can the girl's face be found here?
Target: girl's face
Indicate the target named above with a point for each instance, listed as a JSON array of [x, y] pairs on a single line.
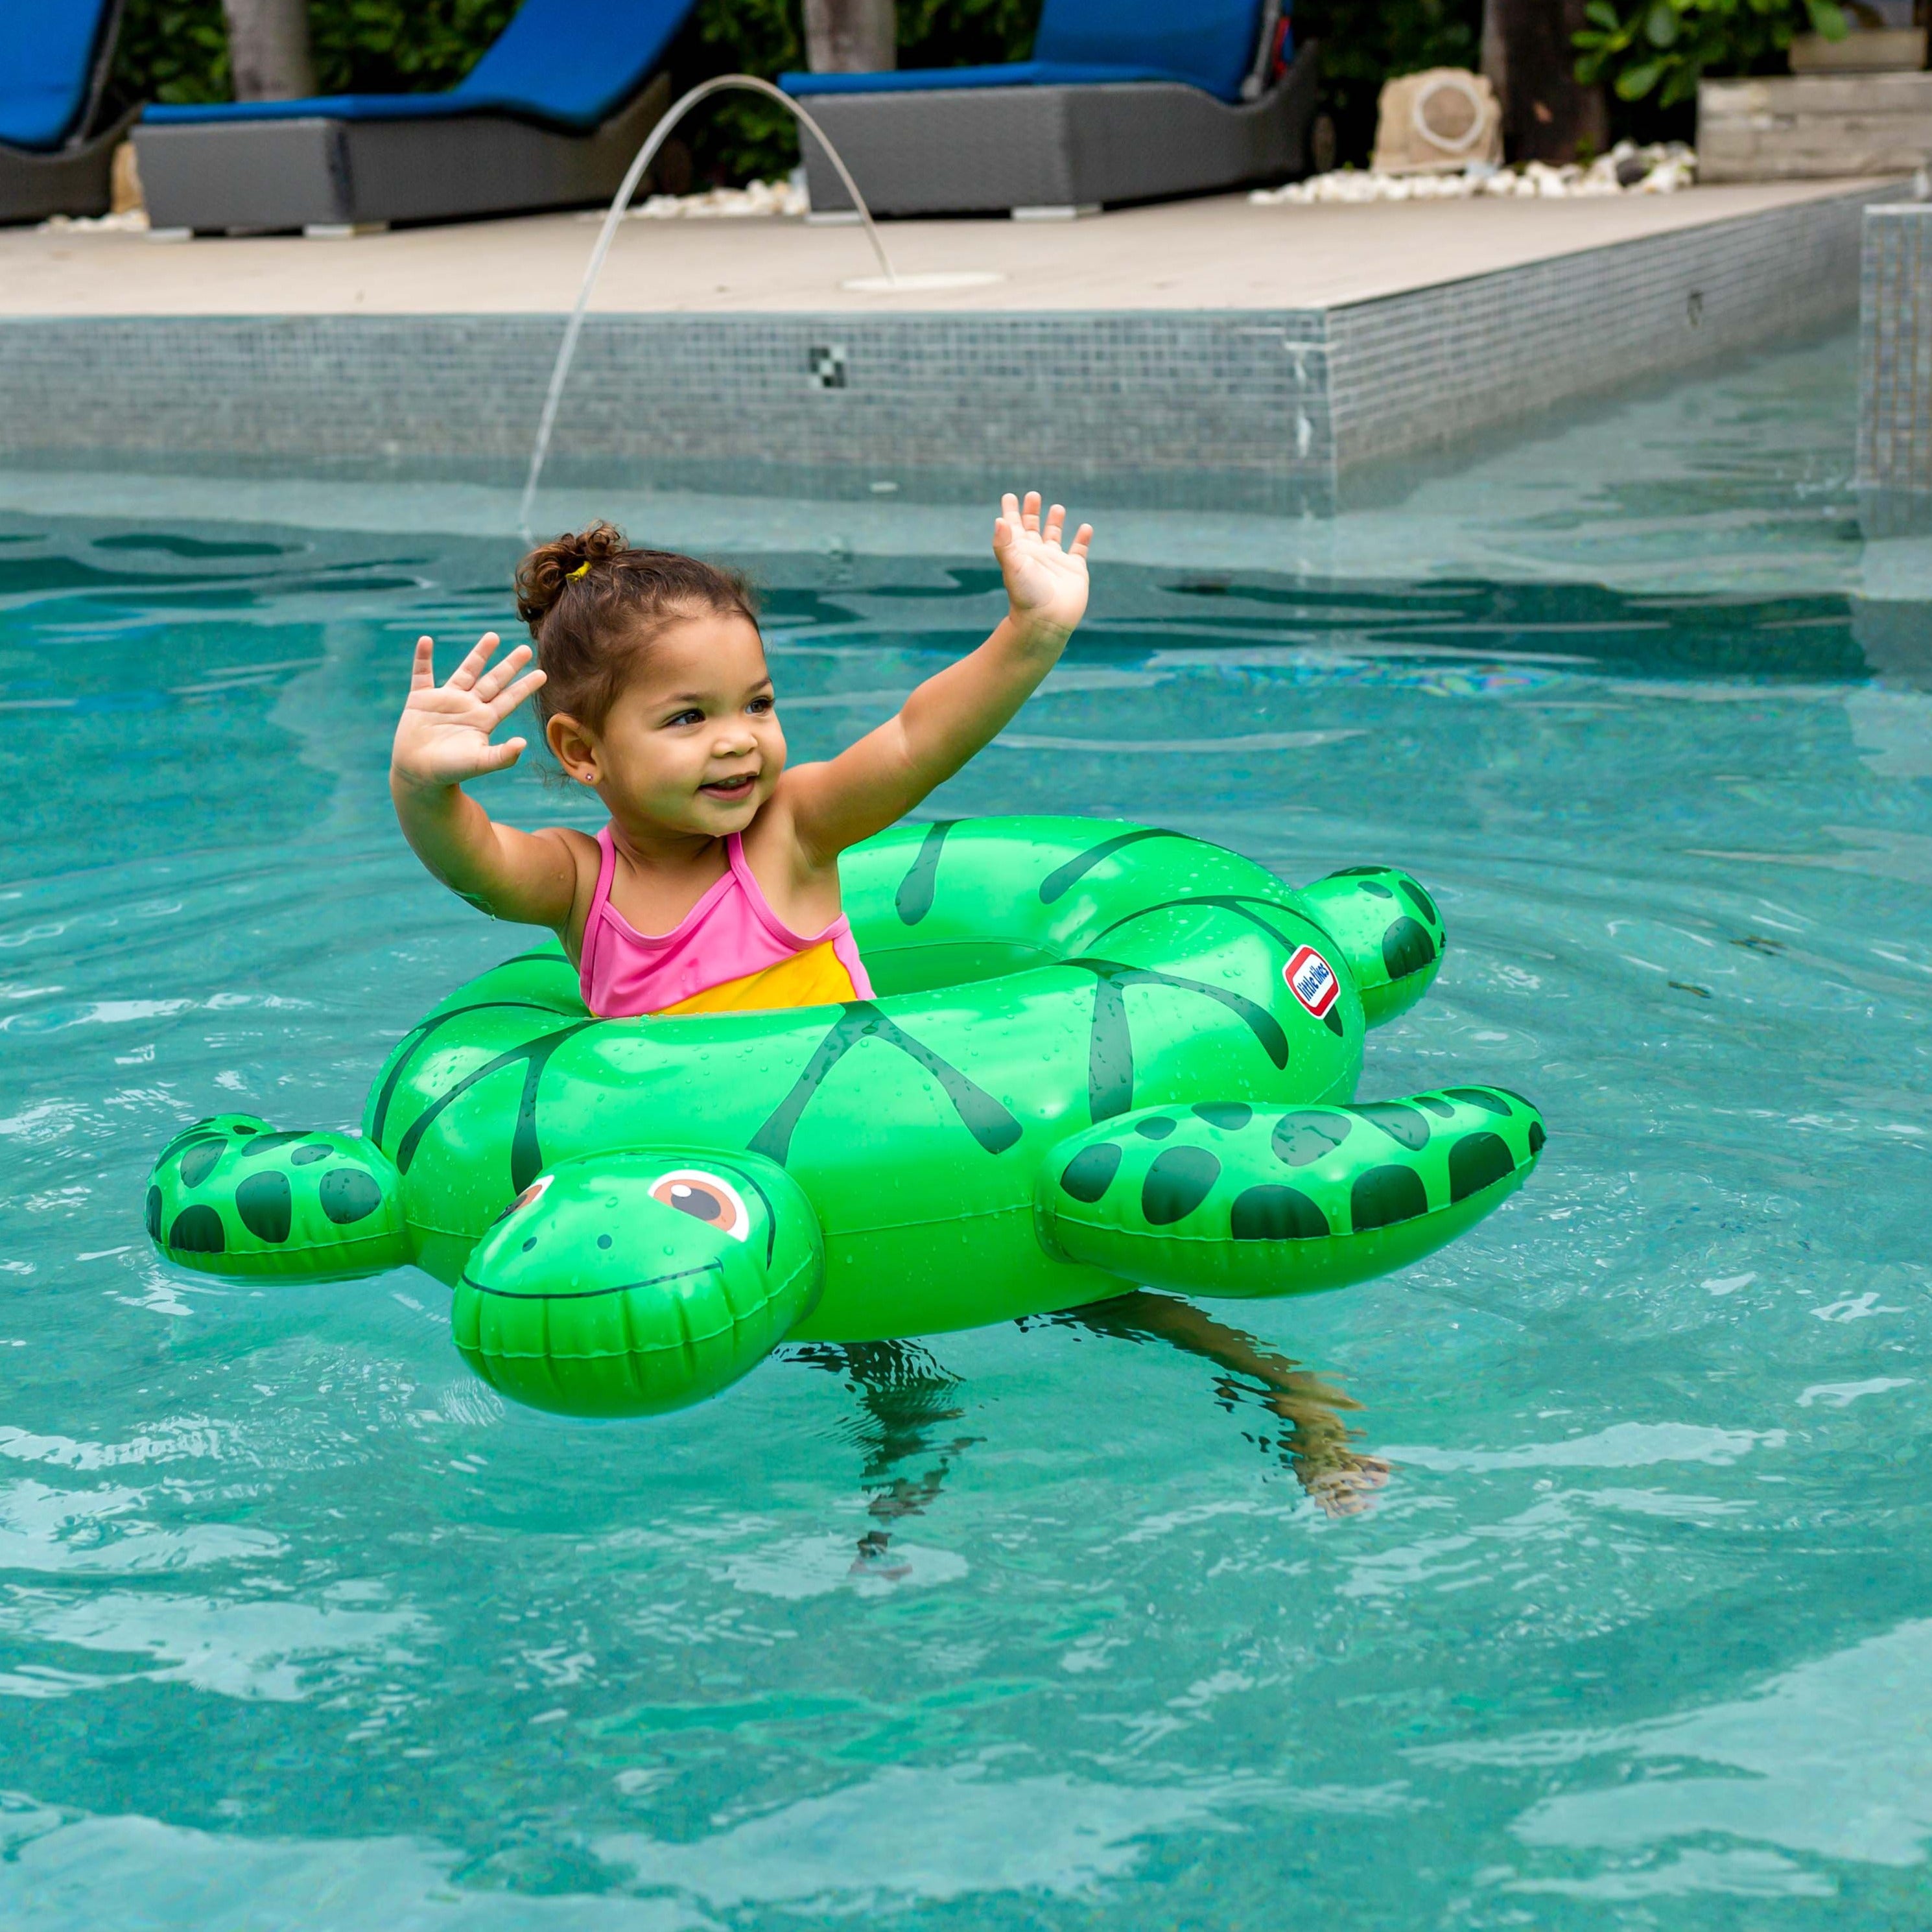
[[692, 744]]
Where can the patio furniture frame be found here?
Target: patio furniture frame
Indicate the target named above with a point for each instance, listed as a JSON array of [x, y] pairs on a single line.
[[75, 178], [985, 150], [320, 171]]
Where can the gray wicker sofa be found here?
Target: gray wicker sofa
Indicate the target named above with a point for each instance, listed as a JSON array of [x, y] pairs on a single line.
[[1124, 100]]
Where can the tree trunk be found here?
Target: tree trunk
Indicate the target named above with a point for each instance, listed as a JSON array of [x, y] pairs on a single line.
[[1529, 59], [269, 49], [850, 36]]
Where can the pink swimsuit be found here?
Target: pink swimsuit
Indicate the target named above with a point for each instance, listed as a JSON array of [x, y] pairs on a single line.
[[731, 953]]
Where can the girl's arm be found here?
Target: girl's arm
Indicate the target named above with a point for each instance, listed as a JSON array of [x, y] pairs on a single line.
[[442, 738], [964, 707]]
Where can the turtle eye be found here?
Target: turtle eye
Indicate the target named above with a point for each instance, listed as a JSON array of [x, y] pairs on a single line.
[[705, 1197], [536, 1190]]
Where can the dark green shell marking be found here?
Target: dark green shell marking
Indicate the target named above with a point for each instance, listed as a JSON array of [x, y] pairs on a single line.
[[348, 1196], [913, 899], [1061, 881], [1477, 1161], [197, 1231], [1091, 1172], [1384, 1196], [420, 1034], [1178, 1184], [1407, 948], [1273, 1213], [198, 1162], [1110, 1053], [1403, 1124], [265, 1205], [1304, 1136], [979, 1113], [526, 1151]]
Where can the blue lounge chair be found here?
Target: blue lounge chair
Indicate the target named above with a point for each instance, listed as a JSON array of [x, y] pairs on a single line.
[[549, 117], [54, 58], [1123, 100]]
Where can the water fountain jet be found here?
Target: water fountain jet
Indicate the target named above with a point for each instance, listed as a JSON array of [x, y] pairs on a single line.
[[887, 281]]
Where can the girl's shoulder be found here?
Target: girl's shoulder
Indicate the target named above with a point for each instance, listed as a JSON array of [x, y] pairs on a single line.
[[583, 847], [587, 858]]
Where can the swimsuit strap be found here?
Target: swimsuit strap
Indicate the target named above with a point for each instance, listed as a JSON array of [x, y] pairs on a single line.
[[761, 906]]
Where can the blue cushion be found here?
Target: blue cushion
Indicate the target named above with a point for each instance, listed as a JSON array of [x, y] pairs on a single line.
[[47, 52], [1210, 44], [330, 106], [576, 61], [568, 62], [942, 79]]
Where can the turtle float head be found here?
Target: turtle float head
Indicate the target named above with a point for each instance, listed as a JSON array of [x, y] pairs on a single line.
[[632, 1283]]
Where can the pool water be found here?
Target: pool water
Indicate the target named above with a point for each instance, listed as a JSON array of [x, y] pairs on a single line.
[[1052, 1627]]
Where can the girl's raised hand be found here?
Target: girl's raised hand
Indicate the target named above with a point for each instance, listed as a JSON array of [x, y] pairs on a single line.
[[1046, 586], [443, 735]]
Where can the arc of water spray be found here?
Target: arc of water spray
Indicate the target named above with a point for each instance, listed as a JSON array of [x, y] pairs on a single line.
[[619, 201]]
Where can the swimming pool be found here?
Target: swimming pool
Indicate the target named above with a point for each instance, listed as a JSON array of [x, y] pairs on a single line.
[[299, 1625]]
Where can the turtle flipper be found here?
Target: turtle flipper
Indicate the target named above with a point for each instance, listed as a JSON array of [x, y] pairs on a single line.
[[633, 1283], [231, 1196], [1230, 1199], [1390, 930]]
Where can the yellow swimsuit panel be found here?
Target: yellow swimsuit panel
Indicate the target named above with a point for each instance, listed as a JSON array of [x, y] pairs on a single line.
[[816, 977]]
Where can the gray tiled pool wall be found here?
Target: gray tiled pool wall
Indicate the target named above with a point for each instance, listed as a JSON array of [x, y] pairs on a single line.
[[807, 399], [1444, 363], [1895, 351], [1249, 409]]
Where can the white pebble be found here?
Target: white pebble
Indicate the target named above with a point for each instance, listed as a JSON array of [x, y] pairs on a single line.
[[1668, 166]]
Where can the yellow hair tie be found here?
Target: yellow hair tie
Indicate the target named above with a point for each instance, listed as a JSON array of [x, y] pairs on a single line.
[[582, 570]]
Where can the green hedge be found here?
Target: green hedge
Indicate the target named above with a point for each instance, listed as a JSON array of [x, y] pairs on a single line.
[[1659, 49], [177, 50]]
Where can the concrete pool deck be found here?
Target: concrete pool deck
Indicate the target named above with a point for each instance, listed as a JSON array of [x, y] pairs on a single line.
[[1221, 254], [1204, 353]]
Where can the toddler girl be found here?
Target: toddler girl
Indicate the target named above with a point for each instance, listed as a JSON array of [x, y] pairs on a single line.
[[715, 886]]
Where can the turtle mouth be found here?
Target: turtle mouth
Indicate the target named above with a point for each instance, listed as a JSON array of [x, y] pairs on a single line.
[[586, 1294]]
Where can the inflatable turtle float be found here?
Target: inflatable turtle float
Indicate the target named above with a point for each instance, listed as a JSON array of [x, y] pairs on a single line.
[[1098, 1056]]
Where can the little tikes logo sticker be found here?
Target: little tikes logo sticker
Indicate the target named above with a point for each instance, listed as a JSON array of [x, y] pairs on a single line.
[[1312, 980]]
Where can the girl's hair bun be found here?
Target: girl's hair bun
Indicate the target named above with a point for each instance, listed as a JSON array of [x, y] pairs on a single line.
[[543, 576], [594, 604]]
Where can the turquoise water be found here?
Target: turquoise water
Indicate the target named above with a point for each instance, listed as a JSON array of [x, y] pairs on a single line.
[[1049, 1627]]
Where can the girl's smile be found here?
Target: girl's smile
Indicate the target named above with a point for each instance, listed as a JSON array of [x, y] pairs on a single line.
[[692, 748]]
